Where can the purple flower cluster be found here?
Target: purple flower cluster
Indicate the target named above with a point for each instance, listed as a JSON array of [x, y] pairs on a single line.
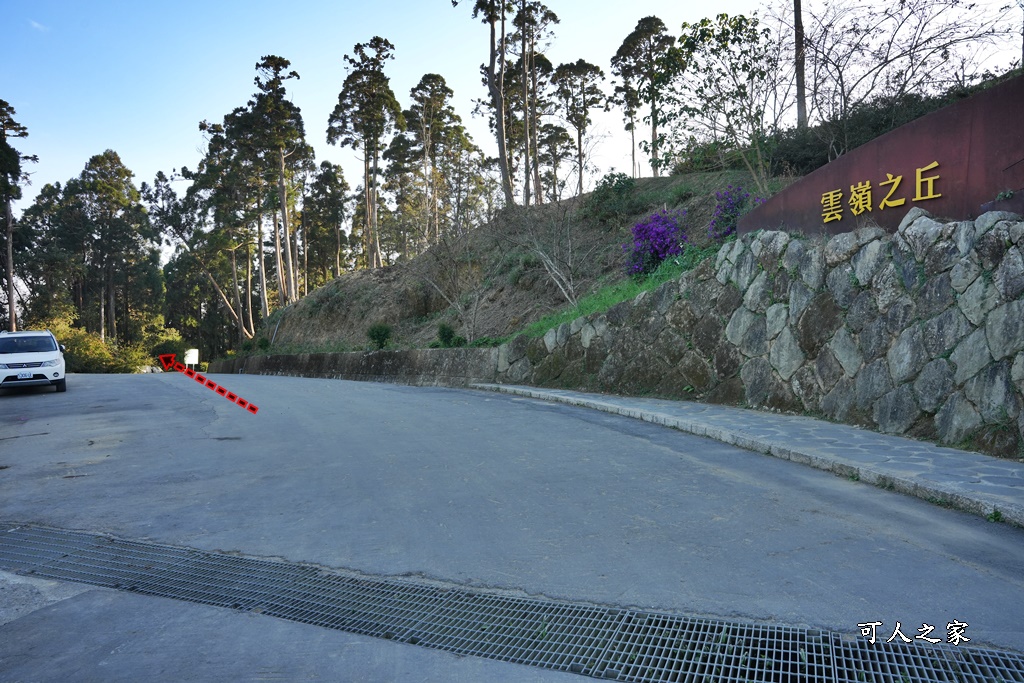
[[733, 202], [662, 235]]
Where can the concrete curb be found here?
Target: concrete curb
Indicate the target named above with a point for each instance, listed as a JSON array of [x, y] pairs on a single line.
[[1003, 503]]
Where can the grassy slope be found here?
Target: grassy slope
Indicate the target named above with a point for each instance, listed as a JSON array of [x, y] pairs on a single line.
[[515, 293]]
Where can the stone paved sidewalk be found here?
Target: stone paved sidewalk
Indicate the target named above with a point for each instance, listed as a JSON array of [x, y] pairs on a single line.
[[972, 482]]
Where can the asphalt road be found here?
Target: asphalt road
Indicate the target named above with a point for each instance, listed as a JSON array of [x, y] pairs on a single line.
[[476, 489]]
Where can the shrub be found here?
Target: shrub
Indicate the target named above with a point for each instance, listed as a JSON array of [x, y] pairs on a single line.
[[445, 335], [612, 197], [263, 344], [379, 334], [797, 151], [485, 342], [86, 353], [655, 239], [733, 202], [175, 346], [702, 157], [130, 358]]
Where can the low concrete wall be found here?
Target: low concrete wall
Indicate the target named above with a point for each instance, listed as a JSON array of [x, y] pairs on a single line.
[[420, 367]]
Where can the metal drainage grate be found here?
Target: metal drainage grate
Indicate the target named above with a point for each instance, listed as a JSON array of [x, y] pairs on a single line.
[[604, 642], [543, 633], [657, 647], [373, 607], [858, 660]]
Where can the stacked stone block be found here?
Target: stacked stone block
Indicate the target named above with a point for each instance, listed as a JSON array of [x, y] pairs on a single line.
[[920, 332]]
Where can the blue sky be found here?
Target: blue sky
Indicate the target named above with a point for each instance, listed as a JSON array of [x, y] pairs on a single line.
[[137, 77]]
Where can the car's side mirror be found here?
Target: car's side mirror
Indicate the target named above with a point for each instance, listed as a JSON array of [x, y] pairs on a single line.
[[63, 349]]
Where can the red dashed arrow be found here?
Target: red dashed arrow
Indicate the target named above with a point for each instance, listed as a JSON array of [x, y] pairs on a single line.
[[170, 364]]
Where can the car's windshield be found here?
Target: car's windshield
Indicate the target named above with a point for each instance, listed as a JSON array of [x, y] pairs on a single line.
[[26, 344]]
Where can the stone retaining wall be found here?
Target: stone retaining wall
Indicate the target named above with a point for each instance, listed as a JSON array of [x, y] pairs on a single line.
[[421, 367], [919, 332]]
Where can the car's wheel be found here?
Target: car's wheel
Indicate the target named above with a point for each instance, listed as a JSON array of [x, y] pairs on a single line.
[[61, 384]]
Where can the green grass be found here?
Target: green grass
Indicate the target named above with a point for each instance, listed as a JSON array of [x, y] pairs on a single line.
[[624, 290]]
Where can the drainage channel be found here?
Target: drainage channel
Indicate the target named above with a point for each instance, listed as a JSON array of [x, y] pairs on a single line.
[[602, 642]]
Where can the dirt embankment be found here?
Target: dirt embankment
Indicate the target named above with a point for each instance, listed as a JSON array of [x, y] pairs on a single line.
[[492, 281]]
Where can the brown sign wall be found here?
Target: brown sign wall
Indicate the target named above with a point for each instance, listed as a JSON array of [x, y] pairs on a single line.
[[949, 163]]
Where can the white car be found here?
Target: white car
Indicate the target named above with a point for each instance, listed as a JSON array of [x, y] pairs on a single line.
[[31, 358]]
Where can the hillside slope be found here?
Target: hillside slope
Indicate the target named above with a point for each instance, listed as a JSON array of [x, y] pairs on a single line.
[[492, 282]]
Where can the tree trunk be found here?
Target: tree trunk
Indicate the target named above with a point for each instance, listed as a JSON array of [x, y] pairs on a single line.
[[429, 195], [654, 138], [337, 251], [264, 304], [579, 160], [378, 261], [496, 89], [112, 313], [79, 298], [282, 283], [435, 202], [103, 308], [801, 92], [126, 330], [367, 201], [632, 142], [537, 192], [282, 192], [525, 59], [235, 314], [296, 271], [238, 294], [554, 176], [248, 281], [12, 311], [305, 251], [428, 199], [457, 188], [48, 284]]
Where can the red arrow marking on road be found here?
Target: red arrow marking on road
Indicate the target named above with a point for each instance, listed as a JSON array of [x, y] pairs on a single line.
[[170, 364]]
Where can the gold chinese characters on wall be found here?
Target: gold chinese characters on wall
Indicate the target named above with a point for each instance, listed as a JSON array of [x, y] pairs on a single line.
[[861, 196]]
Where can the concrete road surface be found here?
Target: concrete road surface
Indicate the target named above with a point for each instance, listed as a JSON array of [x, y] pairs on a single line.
[[463, 487]]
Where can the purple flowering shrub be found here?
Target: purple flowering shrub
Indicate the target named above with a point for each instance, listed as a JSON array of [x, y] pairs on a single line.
[[660, 236], [733, 202]]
